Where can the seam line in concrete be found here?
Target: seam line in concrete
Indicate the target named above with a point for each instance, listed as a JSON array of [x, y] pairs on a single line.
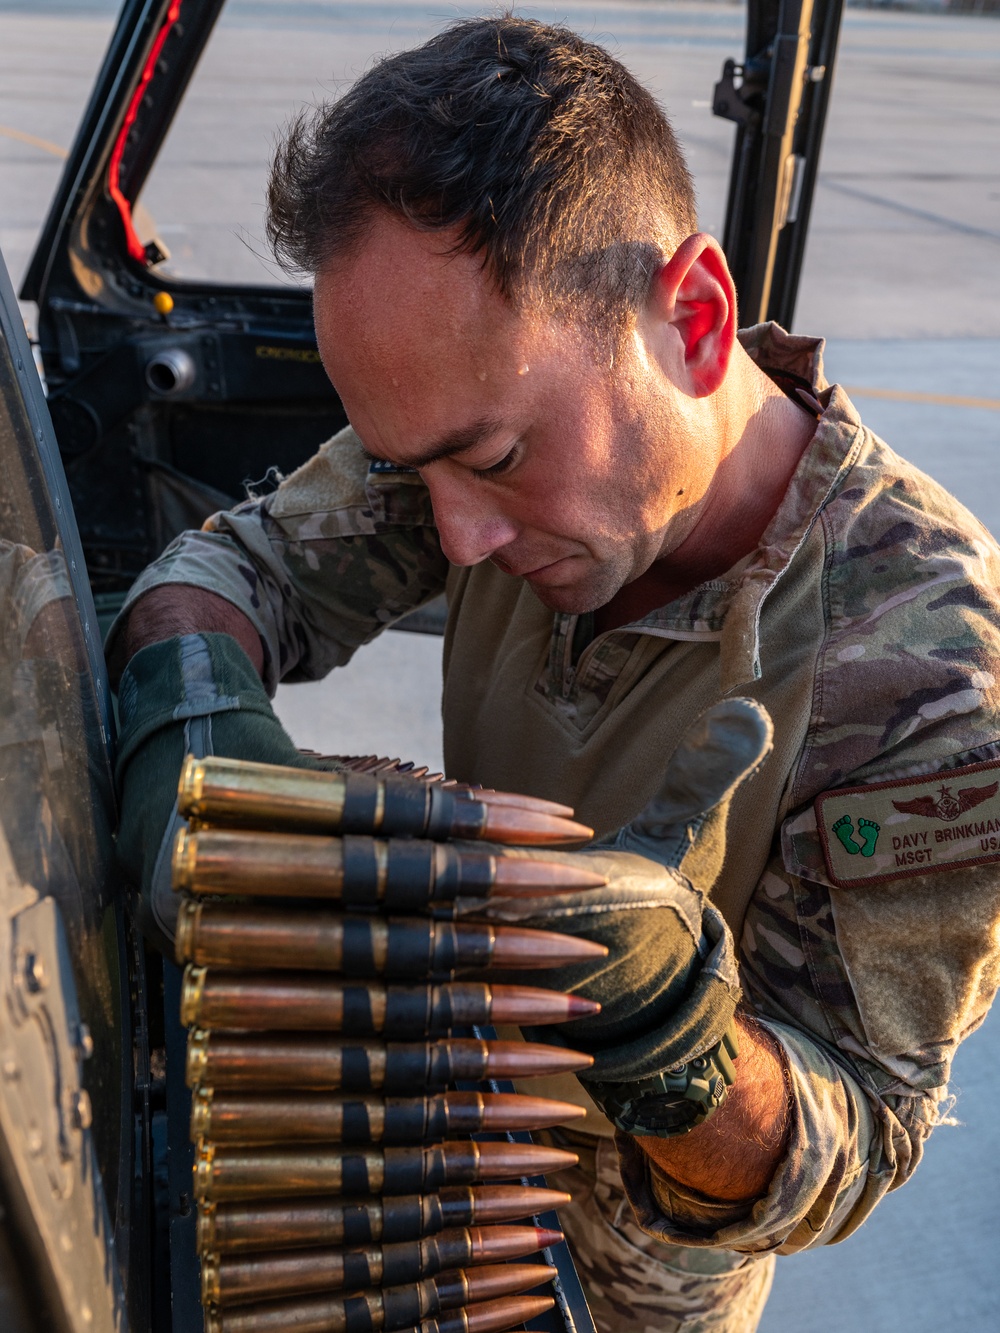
[[905, 396], [936, 218]]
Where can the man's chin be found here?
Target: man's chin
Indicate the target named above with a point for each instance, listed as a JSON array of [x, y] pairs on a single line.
[[575, 599]]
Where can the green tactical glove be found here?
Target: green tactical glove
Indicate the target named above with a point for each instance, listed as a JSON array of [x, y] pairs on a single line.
[[198, 695], [664, 1039]]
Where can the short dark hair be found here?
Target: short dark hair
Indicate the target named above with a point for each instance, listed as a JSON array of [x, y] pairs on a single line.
[[553, 162]]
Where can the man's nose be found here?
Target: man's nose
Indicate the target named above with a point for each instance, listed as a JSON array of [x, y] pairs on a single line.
[[469, 524]]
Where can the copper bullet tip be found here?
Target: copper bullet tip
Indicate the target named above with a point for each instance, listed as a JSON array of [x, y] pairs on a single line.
[[492, 1316], [494, 1280], [529, 1005], [525, 1059], [500, 1161], [506, 1110], [546, 1237], [520, 947], [532, 875], [521, 802], [506, 1203], [512, 824], [492, 1243]]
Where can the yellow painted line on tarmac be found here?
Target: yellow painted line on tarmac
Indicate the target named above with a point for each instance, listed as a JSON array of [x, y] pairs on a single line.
[[905, 396], [46, 145]]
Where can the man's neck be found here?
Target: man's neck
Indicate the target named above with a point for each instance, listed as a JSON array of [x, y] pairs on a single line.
[[746, 493]]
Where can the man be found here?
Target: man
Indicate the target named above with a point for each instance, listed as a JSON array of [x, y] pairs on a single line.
[[635, 515]]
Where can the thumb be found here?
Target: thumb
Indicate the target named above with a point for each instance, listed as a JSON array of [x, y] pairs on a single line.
[[685, 822], [719, 751]]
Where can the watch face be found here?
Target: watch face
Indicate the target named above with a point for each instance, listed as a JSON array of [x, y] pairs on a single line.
[[671, 1102], [637, 1110], [665, 1115]]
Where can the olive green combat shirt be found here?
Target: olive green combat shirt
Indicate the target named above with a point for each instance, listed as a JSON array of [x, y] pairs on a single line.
[[867, 622]]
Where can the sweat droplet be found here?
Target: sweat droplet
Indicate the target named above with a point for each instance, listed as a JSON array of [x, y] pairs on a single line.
[[395, 382], [524, 369], [482, 374]]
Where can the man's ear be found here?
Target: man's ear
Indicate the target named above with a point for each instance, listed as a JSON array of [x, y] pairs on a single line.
[[694, 295]]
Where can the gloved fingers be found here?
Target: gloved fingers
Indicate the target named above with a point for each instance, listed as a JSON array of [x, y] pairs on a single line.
[[661, 1005], [719, 751], [633, 882], [648, 917]]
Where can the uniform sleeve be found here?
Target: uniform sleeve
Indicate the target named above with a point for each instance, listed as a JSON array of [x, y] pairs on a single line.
[[823, 1188], [869, 991], [846, 1147], [858, 1123], [339, 552]]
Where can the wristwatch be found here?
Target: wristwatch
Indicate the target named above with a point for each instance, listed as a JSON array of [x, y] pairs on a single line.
[[676, 1100]]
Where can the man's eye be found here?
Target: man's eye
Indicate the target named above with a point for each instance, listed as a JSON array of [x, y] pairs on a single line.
[[504, 465]]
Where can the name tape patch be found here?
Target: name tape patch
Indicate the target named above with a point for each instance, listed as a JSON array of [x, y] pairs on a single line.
[[889, 830]]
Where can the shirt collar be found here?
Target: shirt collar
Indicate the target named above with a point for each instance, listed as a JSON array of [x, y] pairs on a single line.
[[729, 607]]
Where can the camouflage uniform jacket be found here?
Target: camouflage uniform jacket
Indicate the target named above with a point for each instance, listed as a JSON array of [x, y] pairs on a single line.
[[867, 622]]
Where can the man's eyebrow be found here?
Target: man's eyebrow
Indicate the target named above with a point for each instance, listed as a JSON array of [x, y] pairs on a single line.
[[455, 442]]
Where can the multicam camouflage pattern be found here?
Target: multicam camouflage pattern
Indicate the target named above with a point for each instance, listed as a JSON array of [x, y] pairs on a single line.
[[321, 566], [872, 601], [636, 1284]]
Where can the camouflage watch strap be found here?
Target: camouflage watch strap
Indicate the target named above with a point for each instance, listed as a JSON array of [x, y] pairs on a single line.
[[676, 1100]]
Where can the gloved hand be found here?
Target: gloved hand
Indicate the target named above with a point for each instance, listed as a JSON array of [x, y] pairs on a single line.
[[198, 694], [669, 985]]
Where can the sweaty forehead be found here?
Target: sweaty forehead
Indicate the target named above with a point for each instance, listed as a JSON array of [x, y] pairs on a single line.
[[402, 297], [419, 345]]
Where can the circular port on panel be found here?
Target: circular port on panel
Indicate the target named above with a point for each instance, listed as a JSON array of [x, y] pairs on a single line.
[[170, 371]]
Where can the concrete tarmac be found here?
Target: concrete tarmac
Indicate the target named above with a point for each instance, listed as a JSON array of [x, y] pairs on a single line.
[[902, 274]]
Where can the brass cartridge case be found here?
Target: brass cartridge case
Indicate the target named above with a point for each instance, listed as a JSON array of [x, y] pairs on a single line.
[[226, 935], [400, 874], [311, 1060], [236, 1280], [232, 1173], [284, 1224], [222, 1173], [238, 794], [281, 1224], [292, 1060], [253, 1117], [251, 864], [373, 1310], [273, 1001]]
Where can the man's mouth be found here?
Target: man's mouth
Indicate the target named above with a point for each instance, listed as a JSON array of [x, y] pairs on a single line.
[[533, 573]]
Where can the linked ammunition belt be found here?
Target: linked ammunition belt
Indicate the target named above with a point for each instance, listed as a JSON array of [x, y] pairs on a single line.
[[340, 1185]]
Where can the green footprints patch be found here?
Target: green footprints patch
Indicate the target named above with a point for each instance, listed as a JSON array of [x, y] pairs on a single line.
[[867, 833]]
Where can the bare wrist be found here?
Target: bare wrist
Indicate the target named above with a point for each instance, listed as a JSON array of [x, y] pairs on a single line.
[[173, 609]]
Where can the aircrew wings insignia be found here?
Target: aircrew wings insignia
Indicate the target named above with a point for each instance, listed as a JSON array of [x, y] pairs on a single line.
[[947, 805]]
